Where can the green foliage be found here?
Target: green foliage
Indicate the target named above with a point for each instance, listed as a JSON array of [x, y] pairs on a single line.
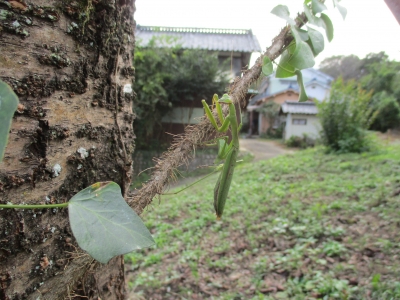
[[267, 67], [292, 227], [167, 75], [104, 225], [307, 44], [345, 117], [300, 142], [388, 108], [375, 73], [8, 105], [382, 78]]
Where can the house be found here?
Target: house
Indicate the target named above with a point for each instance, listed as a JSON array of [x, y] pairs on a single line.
[[300, 119], [285, 90], [235, 45]]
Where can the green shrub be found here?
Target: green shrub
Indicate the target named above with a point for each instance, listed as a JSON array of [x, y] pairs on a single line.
[[300, 142], [345, 117]]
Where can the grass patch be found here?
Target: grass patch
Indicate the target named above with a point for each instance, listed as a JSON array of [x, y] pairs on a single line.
[[301, 226]]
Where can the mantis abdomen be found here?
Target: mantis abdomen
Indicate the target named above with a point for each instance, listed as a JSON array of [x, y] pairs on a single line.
[[221, 189]]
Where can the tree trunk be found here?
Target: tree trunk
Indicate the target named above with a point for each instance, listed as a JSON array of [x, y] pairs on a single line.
[[70, 64]]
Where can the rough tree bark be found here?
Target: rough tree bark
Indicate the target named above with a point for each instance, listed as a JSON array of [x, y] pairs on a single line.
[[69, 61]]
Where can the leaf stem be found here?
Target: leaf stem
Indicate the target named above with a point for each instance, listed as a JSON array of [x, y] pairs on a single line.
[[34, 206]]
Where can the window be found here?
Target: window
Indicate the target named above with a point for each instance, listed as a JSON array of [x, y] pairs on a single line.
[[299, 121]]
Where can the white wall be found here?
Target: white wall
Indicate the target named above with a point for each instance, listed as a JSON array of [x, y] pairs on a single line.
[[312, 127], [184, 115], [316, 91]]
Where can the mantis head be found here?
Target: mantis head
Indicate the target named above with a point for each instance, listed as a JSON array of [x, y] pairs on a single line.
[[225, 99]]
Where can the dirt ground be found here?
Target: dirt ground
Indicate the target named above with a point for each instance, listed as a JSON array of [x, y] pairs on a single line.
[[263, 149]]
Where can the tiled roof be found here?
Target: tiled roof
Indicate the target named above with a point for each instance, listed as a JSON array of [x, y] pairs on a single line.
[[238, 40], [294, 107], [275, 85]]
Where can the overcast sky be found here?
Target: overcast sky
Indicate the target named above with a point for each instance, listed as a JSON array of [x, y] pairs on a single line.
[[369, 25]]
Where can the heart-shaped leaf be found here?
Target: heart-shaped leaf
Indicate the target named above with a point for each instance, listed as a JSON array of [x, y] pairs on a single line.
[[282, 11], [8, 105], [303, 95], [328, 26], [284, 68], [317, 40], [104, 225], [303, 56], [317, 7], [267, 67]]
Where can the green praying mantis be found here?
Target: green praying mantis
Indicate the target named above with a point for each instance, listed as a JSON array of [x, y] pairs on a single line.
[[227, 152]]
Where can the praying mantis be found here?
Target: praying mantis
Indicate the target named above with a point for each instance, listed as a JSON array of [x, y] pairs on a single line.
[[227, 152]]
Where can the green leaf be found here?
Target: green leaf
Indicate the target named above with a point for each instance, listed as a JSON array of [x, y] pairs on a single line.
[[342, 9], [267, 67], [303, 95], [317, 7], [104, 225], [303, 56], [284, 68], [328, 26], [303, 34], [317, 40], [313, 19], [282, 11], [8, 105]]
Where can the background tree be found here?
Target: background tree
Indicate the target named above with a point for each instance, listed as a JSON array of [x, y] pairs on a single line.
[[376, 73], [348, 67], [167, 75], [70, 64], [345, 117]]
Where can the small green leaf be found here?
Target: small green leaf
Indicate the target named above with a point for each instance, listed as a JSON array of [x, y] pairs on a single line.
[[303, 34], [104, 225], [267, 67], [328, 26], [8, 105], [317, 7], [317, 40], [303, 56], [282, 11], [342, 9], [303, 95], [284, 68], [313, 19]]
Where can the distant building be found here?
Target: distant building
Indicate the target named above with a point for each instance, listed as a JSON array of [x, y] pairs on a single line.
[[285, 91], [235, 45], [300, 119]]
